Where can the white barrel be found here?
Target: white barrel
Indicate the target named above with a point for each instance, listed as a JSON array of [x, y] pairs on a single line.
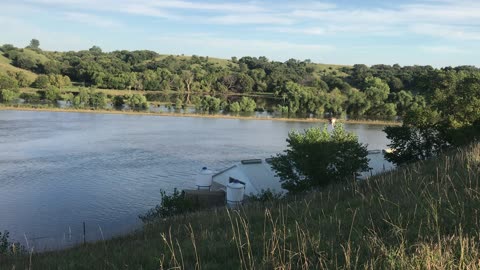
[[203, 180], [235, 193]]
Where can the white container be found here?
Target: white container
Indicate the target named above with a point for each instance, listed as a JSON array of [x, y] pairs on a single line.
[[235, 194], [203, 180]]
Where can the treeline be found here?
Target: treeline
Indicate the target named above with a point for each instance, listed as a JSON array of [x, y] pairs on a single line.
[[295, 87]]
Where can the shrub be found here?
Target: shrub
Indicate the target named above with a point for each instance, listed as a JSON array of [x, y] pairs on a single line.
[[317, 158], [171, 205]]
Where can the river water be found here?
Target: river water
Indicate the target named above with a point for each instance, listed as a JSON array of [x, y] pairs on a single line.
[[58, 170]]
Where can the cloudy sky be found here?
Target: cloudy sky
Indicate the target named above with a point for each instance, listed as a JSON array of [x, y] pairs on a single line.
[[435, 32]]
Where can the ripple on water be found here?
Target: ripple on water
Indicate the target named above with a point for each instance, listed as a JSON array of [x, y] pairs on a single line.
[[58, 170]]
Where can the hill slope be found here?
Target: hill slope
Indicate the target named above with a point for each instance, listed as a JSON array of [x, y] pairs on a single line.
[[6, 66], [424, 216]]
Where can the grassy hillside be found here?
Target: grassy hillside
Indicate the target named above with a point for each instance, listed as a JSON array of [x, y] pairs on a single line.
[[424, 216], [5, 66]]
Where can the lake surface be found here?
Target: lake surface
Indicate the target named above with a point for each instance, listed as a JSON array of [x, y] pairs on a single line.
[[58, 170]]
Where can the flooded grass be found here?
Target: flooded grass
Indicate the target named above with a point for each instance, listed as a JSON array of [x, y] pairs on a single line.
[[27, 107]]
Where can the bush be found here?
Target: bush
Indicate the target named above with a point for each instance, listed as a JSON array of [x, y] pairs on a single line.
[[8, 96], [7, 82], [31, 97], [178, 104], [136, 101], [247, 104], [52, 94], [317, 158], [171, 205], [234, 107], [8, 248], [266, 196], [41, 82]]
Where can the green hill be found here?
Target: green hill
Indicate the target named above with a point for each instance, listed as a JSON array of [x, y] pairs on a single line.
[[422, 216], [6, 66]]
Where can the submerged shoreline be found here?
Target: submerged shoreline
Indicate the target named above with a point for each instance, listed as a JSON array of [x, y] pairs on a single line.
[[195, 115]]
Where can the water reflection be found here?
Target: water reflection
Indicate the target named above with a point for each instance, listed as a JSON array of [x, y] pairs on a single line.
[[58, 170]]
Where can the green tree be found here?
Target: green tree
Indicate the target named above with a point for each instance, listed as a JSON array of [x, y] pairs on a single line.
[[34, 44], [210, 104], [234, 107], [178, 103], [247, 104], [22, 79], [136, 101], [52, 94], [97, 100], [41, 82], [317, 158], [7, 95], [7, 82], [376, 92], [418, 138], [452, 119]]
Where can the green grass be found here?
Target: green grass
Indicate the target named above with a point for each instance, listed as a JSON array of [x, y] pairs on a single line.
[[37, 57], [423, 216], [6, 66]]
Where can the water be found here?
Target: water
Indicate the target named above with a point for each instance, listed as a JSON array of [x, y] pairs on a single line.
[[58, 170]]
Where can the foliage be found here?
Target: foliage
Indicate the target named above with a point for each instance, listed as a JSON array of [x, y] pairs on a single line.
[[247, 104], [52, 93], [34, 44], [8, 96], [8, 248], [98, 100], [178, 104], [31, 97], [420, 216], [317, 158], [7, 82], [234, 107], [171, 205], [294, 87], [266, 196], [42, 82], [451, 120], [136, 101], [210, 104]]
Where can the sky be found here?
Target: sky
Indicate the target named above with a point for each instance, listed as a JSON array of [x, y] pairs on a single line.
[[412, 32]]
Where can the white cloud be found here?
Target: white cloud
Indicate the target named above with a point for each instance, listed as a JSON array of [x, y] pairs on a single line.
[[226, 7], [440, 19], [442, 50], [226, 47], [49, 40], [447, 31], [251, 19], [93, 20]]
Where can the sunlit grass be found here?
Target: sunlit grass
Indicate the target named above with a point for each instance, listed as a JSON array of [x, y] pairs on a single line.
[[423, 216]]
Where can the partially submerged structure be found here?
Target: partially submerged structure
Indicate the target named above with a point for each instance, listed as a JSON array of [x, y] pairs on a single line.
[[256, 174]]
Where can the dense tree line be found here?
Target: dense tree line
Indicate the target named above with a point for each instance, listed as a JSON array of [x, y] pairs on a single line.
[[451, 119], [295, 86]]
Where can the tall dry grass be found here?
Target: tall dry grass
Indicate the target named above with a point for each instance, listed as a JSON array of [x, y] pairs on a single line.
[[423, 216]]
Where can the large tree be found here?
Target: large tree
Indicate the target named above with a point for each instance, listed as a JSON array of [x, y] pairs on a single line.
[[34, 44], [318, 157]]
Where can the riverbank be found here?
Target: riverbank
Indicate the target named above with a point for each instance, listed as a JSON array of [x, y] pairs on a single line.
[[385, 222], [194, 115]]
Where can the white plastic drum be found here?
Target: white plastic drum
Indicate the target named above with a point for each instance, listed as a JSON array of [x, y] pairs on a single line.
[[204, 179], [235, 194]]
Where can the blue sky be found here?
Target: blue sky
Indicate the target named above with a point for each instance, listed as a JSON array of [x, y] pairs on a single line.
[[434, 32]]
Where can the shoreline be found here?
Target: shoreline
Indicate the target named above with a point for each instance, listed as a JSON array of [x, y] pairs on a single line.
[[194, 115]]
